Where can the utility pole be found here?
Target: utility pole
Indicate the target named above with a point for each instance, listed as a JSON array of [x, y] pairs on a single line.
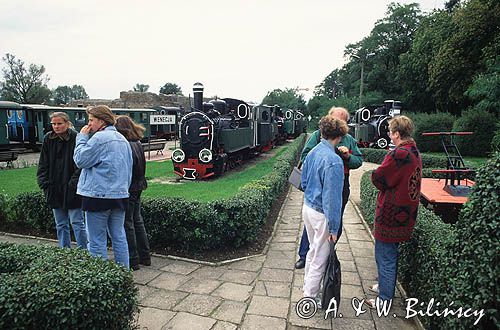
[[361, 80]]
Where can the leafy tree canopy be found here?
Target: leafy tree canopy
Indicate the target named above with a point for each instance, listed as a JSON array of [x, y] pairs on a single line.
[[67, 94], [170, 88], [289, 98], [24, 83], [141, 88]]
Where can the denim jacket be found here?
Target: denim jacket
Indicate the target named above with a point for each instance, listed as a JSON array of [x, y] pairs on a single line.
[[106, 163], [323, 181]]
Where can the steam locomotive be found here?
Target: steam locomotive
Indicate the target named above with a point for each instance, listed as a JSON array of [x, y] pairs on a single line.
[[222, 133], [370, 124]]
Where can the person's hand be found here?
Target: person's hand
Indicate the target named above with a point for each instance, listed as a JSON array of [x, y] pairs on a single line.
[[85, 129], [344, 152], [332, 238]]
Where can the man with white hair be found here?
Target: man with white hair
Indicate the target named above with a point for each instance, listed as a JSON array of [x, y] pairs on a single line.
[[348, 150]]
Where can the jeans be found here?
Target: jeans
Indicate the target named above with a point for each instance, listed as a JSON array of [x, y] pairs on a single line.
[[137, 239], [63, 218], [386, 256], [304, 241], [99, 224]]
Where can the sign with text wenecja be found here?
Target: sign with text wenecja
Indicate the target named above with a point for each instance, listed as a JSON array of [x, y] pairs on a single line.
[[162, 119]]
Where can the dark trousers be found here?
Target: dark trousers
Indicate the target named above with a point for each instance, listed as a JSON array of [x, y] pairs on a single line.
[[304, 241], [137, 239]]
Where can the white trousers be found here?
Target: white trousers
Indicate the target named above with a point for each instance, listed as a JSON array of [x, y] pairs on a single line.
[[319, 250]]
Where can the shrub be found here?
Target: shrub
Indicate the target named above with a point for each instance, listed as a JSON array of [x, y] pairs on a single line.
[[53, 288], [483, 124], [475, 266], [495, 142], [428, 161], [431, 122], [30, 210]]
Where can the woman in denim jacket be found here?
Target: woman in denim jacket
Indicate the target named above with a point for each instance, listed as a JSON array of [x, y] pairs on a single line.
[[106, 163], [322, 181]]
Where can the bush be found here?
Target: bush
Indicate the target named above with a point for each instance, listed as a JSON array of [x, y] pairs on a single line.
[[433, 122], [495, 142], [475, 266], [428, 161], [458, 262], [30, 210], [53, 288], [483, 124]]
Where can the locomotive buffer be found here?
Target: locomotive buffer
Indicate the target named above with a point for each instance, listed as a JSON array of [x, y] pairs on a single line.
[[450, 195]]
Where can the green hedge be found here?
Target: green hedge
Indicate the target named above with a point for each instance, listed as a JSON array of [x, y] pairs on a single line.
[[431, 122], [428, 161], [188, 225], [43, 287], [458, 262], [483, 124]]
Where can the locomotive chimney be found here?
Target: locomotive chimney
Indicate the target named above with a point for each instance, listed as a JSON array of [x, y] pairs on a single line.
[[198, 96]]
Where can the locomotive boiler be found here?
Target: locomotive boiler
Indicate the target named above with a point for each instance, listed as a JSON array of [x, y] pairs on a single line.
[[370, 124]]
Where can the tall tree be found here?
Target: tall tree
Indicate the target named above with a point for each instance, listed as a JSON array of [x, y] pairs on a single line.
[[24, 83], [67, 94], [289, 98], [141, 88], [170, 88]]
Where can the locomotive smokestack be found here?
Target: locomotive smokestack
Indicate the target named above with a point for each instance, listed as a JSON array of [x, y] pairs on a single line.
[[198, 96]]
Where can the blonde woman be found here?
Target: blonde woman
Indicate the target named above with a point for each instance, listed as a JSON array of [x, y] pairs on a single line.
[[57, 176]]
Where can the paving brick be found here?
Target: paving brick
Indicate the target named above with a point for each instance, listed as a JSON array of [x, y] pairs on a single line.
[[351, 291], [238, 276], [282, 246], [268, 306], [181, 267], [276, 289], [257, 322], [163, 299], [282, 263], [153, 318], [221, 325], [198, 304], [208, 272], [350, 278], [233, 291], [145, 275], [169, 281], [248, 265], [279, 275], [317, 321], [231, 311], [183, 321], [200, 286]]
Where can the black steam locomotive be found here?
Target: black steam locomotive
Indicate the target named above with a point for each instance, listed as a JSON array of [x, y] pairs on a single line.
[[370, 124], [221, 133]]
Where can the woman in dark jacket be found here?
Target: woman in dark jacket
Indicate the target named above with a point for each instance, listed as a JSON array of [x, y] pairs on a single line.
[[58, 177], [138, 243]]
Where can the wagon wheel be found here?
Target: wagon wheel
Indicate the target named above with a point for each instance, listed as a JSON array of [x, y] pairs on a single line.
[[382, 143]]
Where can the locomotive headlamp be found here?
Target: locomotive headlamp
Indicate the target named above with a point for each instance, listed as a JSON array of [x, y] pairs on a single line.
[[178, 155], [205, 155]]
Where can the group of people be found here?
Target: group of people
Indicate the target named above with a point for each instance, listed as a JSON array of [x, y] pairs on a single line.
[[93, 182], [326, 159]]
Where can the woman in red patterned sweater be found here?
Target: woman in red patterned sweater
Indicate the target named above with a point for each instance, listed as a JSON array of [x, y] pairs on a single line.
[[398, 180]]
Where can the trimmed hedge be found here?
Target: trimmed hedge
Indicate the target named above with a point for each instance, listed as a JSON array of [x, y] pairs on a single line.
[[53, 288], [458, 262], [431, 122], [428, 161], [483, 124], [188, 225]]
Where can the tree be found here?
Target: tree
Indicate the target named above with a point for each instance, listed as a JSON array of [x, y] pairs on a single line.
[[171, 88], [67, 94], [287, 99], [141, 88], [24, 83]]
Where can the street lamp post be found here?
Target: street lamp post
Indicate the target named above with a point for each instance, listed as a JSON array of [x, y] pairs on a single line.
[[362, 64]]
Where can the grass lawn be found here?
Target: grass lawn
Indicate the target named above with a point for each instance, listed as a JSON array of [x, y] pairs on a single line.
[[16, 181]]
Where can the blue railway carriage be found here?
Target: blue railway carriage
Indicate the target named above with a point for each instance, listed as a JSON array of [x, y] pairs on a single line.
[[26, 124]]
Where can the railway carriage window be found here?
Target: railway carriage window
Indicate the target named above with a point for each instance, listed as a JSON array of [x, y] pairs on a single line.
[[265, 115], [162, 112], [9, 113], [79, 117], [131, 115], [144, 117], [20, 114]]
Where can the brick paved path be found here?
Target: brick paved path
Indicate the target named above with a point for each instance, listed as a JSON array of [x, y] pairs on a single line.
[[261, 292]]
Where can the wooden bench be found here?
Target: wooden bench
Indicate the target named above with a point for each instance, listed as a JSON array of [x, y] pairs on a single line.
[[153, 145], [9, 157]]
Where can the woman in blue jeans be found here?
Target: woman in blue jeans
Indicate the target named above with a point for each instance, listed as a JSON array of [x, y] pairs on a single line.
[[106, 162], [137, 238], [57, 176]]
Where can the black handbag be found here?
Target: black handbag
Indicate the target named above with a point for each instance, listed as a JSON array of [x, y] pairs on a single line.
[[332, 280]]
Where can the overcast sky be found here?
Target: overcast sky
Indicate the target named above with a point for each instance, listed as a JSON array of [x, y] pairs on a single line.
[[239, 49]]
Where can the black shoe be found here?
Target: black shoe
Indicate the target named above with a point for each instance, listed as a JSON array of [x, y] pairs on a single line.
[[146, 262], [301, 263], [135, 267]]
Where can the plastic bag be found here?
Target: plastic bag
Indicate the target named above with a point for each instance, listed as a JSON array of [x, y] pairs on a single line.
[[332, 281]]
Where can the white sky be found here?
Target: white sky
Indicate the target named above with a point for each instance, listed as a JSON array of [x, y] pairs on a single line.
[[239, 49]]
